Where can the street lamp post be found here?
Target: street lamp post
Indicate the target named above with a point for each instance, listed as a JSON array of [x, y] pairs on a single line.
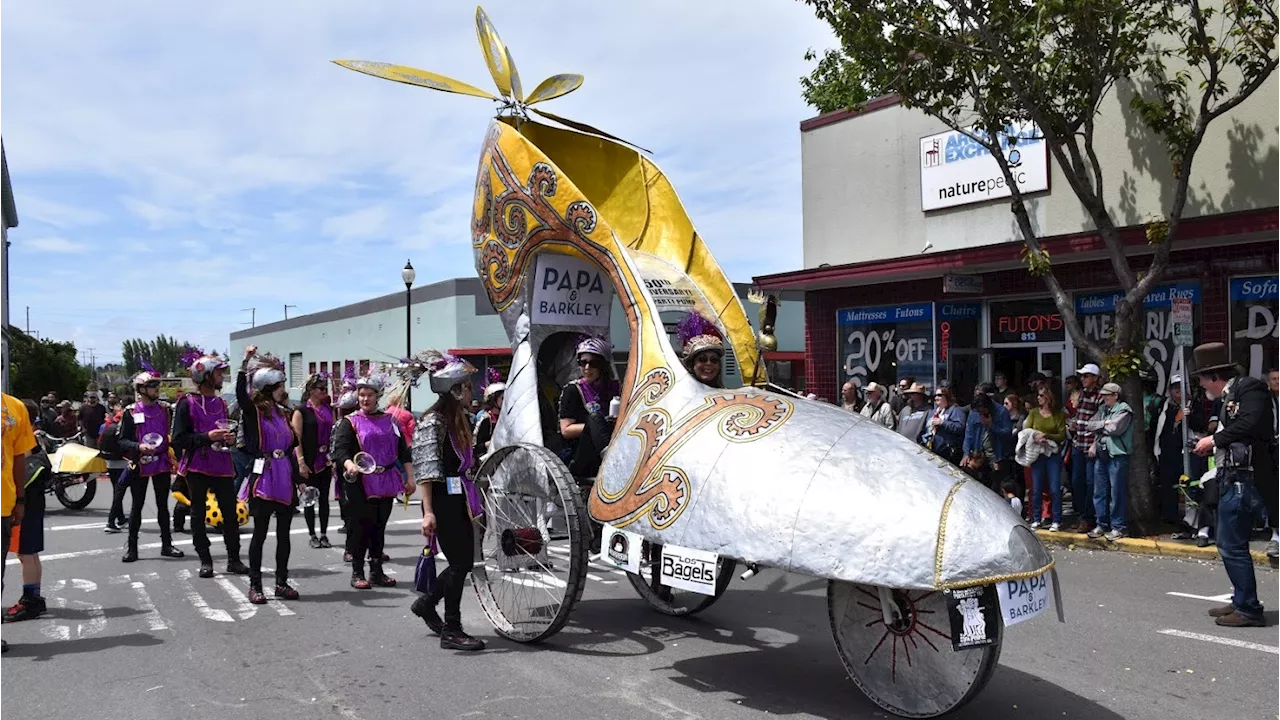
[[408, 274]]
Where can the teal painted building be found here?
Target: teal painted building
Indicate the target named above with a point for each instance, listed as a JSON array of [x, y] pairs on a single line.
[[455, 316]]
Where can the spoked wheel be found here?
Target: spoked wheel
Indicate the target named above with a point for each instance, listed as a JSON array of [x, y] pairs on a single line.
[[907, 668], [75, 492], [673, 601], [533, 560]]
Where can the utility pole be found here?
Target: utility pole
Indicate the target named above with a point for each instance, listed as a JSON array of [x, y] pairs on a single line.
[[253, 316], [28, 319], [286, 310]]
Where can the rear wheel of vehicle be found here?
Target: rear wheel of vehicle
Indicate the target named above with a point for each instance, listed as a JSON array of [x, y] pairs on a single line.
[[75, 492], [673, 601]]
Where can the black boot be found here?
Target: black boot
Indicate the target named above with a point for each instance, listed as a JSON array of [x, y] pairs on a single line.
[[425, 608], [169, 550], [379, 578], [453, 638], [235, 567], [130, 552]]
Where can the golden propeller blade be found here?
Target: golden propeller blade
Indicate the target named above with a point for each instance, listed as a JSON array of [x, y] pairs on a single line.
[[583, 127], [495, 53], [554, 87], [516, 88], [414, 76]]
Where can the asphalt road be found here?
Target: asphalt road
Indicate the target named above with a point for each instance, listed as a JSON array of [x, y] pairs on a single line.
[[150, 640]]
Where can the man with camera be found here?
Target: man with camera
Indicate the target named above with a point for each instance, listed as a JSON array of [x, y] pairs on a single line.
[[1242, 451]]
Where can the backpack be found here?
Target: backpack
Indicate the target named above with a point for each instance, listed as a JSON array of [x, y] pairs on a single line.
[[109, 442]]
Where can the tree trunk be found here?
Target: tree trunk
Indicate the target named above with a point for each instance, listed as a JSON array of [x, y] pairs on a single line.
[[1144, 505]]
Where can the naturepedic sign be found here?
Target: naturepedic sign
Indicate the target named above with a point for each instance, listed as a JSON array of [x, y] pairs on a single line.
[[957, 170], [569, 291], [1097, 315], [885, 344], [1255, 323]]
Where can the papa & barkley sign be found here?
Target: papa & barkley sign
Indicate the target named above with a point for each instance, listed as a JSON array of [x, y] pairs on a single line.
[[569, 291]]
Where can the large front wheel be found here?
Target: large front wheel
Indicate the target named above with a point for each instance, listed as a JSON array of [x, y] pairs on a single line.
[[907, 667], [533, 554]]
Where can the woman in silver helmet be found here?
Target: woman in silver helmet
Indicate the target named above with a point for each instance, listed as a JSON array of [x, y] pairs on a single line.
[[269, 490], [444, 458], [371, 491]]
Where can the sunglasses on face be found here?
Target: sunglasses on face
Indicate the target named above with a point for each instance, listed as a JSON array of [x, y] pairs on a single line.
[[708, 358], [590, 362], [152, 386]]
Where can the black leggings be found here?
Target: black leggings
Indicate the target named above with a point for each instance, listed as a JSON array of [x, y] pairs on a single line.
[[456, 537], [160, 485], [262, 511], [320, 481], [224, 490], [367, 528], [118, 489]]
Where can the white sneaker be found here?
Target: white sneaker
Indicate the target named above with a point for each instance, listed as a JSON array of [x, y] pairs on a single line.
[[1035, 525], [1115, 535], [1055, 527]]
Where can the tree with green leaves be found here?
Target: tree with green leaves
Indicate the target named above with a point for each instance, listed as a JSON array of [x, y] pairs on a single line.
[[983, 67], [163, 353], [37, 366]]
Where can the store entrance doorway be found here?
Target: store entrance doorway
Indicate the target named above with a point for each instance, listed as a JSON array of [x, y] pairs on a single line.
[[1018, 363]]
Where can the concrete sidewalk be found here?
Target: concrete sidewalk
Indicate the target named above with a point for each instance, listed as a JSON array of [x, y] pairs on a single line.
[[1159, 545]]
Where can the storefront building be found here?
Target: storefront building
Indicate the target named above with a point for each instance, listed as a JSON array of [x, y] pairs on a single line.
[[912, 257], [455, 316]]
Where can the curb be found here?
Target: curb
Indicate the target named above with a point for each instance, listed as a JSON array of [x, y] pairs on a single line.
[[1145, 546]]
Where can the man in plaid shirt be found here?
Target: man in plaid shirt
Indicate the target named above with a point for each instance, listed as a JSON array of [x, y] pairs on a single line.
[[1082, 465]]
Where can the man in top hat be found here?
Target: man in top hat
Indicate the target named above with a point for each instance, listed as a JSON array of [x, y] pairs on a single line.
[[1242, 451]]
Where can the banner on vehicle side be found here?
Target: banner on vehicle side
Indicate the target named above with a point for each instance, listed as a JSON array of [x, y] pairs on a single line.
[[621, 549], [689, 569], [1024, 599]]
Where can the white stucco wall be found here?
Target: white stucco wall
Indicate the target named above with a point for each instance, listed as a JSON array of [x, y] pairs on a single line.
[[861, 182]]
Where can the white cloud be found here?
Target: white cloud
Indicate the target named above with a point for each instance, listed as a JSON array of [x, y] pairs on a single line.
[[360, 224], [166, 149], [59, 215], [54, 245]]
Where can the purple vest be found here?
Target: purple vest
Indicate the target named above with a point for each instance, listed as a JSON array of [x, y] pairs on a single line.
[[157, 421], [205, 413], [324, 433], [276, 481], [380, 437]]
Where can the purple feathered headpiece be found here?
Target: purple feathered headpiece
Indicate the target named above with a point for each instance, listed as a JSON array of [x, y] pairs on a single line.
[[697, 333], [190, 354], [146, 366], [492, 376]]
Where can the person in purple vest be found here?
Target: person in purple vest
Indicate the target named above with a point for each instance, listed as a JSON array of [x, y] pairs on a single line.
[[371, 493], [144, 439], [269, 490], [202, 438], [444, 457], [313, 425]]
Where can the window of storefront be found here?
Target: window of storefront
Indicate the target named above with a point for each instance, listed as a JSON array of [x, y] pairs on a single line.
[[1255, 309], [960, 357], [885, 344], [1096, 312]]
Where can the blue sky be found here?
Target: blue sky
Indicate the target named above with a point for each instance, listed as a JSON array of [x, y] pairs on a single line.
[[174, 163]]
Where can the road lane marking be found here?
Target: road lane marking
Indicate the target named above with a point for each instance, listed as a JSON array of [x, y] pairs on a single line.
[[97, 616], [1210, 598], [198, 602], [244, 608], [1222, 641], [155, 621], [213, 538]]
